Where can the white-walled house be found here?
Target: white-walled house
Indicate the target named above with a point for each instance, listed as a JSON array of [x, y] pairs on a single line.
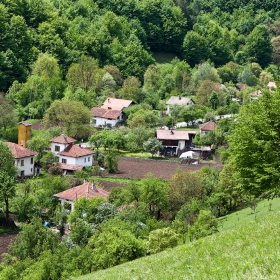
[[69, 153], [74, 154], [106, 117], [110, 113], [24, 159], [60, 143], [178, 100]]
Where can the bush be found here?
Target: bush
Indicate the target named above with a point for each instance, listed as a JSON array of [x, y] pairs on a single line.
[[161, 239]]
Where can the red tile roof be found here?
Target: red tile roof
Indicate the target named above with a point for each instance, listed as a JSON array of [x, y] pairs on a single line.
[[88, 190], [163, 134], [72, 167], [115, 103], [63, 139], [105, 113], [208, 126], [19, 151], [75, 151]]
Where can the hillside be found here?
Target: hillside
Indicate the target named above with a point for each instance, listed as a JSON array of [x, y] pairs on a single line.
[[246, 252]]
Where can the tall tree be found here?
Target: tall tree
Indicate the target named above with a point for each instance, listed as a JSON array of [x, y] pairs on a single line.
[[258, 46], [254, 145], [73, 116], [8, 175]]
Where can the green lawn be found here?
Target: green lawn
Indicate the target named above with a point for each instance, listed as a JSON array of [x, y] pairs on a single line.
[[250, 251], [247, 215]]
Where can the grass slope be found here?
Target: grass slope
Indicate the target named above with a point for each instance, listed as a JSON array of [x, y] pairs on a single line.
[[249, 251]]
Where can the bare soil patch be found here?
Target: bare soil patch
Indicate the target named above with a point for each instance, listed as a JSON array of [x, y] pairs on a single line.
[[5, 240], [136, 168]]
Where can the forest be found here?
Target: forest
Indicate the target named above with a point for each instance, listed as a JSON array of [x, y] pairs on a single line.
[[61, 58]]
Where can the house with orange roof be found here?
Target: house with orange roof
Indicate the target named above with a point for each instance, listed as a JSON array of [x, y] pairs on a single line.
[[24, 159], [110, 114], [69, 153], [175, 141], [87, 189], [206, 127]]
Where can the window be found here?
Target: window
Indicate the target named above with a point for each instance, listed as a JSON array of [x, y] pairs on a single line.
[[85, 160], [88, 158], [31, 169], [22, 162], [64, 160], [18, 162], [31, 160], [57, 148], [22, 173]]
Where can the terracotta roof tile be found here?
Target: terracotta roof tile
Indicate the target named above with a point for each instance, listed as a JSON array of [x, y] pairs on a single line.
[[19, 151], [163, 134], [208, 126], [75, 151], [105, 113], [73, 167], [63, 139], [115, 103], [88, 190]]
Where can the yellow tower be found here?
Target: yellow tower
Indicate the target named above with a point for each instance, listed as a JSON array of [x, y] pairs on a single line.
[[24, 133]]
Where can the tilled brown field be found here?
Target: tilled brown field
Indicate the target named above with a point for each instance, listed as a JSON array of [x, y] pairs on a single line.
[[139, 168], [5, 240]]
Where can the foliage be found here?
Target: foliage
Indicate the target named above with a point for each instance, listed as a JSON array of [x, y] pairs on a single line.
[[184, 186], [255, 134], [33, 240], [8, 174], [205, 224], [72, 115], [154, 192], [111, 162], [115, 246], [152, 145], [161, 239], [85, 209]]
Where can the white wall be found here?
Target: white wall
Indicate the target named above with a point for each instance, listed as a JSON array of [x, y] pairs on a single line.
[[104, 122], [79, 160], [27, 167], [61, 146]]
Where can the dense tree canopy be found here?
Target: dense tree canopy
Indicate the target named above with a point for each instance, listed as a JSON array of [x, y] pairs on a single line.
[[254, 145]]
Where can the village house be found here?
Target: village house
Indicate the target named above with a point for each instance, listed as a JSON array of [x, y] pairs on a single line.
[[206, 127], [182, 101], [24, 159], [110, 114], [175, 141], [87, 189], [69, 153]]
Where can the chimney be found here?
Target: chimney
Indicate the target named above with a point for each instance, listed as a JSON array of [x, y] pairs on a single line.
[[108, 100], [171, 132], [179, 97]]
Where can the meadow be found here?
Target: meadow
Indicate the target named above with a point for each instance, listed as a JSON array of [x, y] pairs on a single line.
[[247, 247]]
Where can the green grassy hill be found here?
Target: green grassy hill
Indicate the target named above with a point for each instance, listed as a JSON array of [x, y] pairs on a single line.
[[248, 251]]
